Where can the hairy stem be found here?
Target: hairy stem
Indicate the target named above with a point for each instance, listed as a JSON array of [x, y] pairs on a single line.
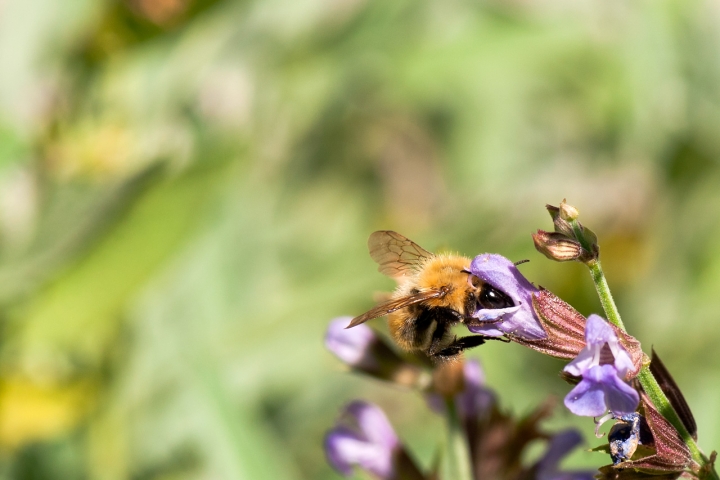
[[603, 290]]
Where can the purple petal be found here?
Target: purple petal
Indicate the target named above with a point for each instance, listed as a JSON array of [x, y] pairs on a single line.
[[344, 448], [475, 399], [587, 358], [349, 345], [599, 391], [489, 330], [561, 444], [587, 399], [502, 274], [623, 362], [488, 315], [620, 397], [341, 449], [373, 424], [598, 331], [473, 375], [363, 437]]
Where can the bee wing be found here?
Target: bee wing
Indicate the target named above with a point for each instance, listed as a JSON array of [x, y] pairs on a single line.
[[396, 255], [396, 304]]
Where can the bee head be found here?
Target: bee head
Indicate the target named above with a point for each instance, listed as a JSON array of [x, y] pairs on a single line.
[[487, 296]]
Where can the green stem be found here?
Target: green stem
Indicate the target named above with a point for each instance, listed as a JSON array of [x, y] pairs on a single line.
[[603, 290], [457, 466], [645, 377], [660, 401]]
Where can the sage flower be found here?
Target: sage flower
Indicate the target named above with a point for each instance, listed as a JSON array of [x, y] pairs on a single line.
[[353, 347], [602, 365], [364, 437], [520, 320], [365, 351]]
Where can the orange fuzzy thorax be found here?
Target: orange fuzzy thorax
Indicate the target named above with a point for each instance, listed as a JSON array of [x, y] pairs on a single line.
[[441, 270], [444, 270]]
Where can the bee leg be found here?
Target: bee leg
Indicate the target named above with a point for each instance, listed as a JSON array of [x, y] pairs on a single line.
[[463, 343]]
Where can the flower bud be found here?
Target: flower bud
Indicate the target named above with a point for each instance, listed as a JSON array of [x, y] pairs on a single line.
[[561, 225], [570, 241], [557, 246], [568, 212]]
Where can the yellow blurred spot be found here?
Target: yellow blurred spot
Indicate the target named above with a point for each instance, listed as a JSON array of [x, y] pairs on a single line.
[[94, 150], [31, 412]]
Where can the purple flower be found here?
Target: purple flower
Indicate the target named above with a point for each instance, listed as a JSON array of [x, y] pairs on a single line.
[[603, 365], [520, 320], [365, 351], [560, 445], [351, 346], [598, 335], [363, 437], [475, 399]]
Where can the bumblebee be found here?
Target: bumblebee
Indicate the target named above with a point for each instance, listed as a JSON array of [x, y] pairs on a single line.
[[434, 293]]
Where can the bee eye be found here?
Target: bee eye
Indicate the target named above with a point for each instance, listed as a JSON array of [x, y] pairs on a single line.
[[492, 298]]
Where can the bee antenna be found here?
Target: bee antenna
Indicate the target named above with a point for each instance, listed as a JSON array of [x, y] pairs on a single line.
[[520, 262]]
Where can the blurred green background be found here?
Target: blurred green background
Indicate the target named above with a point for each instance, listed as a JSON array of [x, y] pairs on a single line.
[[187, 187]]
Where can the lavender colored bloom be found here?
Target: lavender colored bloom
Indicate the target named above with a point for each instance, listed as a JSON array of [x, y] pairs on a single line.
[[602, 364], [475, 399], [601, 390], [560, 445], [598, 334], [363, 438], [350, 346], [365, 351], [519, 320]]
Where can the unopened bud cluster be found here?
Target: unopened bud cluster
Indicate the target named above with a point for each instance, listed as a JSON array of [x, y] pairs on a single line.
[[570, 240]]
